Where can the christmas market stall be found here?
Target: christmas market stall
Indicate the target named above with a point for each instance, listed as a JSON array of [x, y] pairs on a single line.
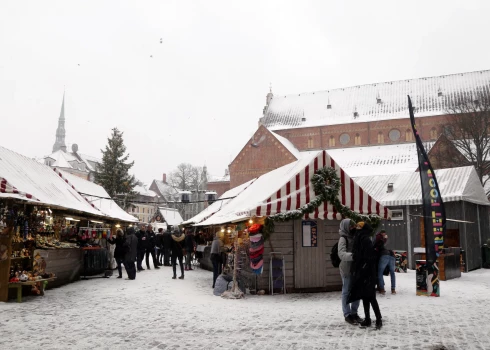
[[204, 235], [289, 219], [44, 221], [466, 207]]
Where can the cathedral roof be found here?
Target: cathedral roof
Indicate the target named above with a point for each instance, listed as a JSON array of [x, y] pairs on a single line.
[[373, 102]]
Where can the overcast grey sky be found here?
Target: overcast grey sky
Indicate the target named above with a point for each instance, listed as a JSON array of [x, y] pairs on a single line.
[[199, 98]]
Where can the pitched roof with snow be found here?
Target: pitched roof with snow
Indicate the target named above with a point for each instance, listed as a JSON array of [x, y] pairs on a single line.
[[373, 102], [455, 184], [70, 160], [216, 206], [168, 192], [289, 187], [171, 216], [98, 196], [31, 177], [378, 160], [143, 191]]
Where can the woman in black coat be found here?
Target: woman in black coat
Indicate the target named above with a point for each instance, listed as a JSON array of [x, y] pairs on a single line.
[[363, 285], [178, 244], [120, 250]]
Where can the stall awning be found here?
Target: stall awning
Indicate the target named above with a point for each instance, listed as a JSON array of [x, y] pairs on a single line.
[[290, 187]]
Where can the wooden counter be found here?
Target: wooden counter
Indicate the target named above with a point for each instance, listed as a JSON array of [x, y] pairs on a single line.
[[449, 263]]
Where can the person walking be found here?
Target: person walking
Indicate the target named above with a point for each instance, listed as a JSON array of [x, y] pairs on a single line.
[[177, 253], [363, 284], [131, 254], [189, 248], [167, 247], [216, 250], [159, 246], [386, 258], [150, 248], [142, 244], [346, 242], [120, 250]]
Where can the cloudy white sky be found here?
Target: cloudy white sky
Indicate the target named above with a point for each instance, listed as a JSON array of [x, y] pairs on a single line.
[[198, 95]]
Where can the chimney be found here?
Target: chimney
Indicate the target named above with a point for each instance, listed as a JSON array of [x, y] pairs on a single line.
[[164, 178], [390, 187]]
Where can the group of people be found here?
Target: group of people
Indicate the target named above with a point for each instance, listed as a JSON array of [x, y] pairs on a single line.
[[364, 258], [165, 248]]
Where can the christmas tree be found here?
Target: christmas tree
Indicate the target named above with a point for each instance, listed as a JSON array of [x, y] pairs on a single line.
[[113, 172]]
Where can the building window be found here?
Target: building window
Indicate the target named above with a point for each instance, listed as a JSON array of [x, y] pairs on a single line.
[[381, 137], [408, 135], [331, 141], [397, 214], [394, 134], [433, 133], [357, 139], [310, 143], [344, 139], [448, 130]]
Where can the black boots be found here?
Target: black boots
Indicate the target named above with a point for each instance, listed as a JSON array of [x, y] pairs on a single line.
[[366, 323], [181, 277], [175, 276], [379, 324]]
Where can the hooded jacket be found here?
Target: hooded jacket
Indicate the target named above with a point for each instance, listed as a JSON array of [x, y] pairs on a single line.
[[178, 243], [346, 242]]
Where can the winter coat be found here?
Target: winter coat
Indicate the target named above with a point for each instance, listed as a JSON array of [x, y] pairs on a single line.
[[217, 246], [346, 243], [167, 240], [159, 240], [379, 245], [121, 246], [363, 269], [142, 240], [178, 244], [132, 243], [189, 243], [151, 242]]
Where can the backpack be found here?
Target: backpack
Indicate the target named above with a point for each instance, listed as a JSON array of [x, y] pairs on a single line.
[[334, 253]]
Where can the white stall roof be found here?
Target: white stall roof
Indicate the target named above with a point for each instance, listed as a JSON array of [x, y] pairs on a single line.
[[31, 178], [93, 193], [455, 184], [216, 206], [289, 187]]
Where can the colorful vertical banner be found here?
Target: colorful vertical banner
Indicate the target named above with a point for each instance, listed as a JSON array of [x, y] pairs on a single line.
[[432, 204]]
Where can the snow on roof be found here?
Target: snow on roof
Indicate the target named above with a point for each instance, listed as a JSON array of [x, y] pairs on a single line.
[[224, 178], [171, 216], [378, 160], [167, 191], [39, 180], [455, 184], [310, 109], [216, 206], [92, 192], [269, 190], [288, 144], [142, 190]]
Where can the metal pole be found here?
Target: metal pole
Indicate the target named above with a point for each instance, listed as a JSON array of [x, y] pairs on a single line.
[[409, 237]]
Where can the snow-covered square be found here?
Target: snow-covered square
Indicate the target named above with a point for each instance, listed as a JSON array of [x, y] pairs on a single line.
[[156, 312]]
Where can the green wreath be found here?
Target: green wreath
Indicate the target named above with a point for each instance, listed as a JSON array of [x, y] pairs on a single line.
[[326, 184]]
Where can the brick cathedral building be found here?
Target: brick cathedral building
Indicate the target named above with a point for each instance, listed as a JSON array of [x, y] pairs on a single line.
[[370, 122]]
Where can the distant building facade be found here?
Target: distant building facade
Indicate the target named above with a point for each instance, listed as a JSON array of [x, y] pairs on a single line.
[[358, 116]]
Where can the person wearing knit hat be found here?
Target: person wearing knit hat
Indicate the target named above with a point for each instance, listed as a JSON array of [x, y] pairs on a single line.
[[363, 285], [177, 253], [386, 258]]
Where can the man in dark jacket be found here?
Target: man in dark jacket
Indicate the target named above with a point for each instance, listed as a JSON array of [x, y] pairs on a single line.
[[177, 253], [120, 250], [150, 248], [189, 248], [363, 285], [167, 247], [159, 246], [131, 254], [142, 244]]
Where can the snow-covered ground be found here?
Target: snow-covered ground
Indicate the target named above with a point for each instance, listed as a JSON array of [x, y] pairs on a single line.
[[156, 312]]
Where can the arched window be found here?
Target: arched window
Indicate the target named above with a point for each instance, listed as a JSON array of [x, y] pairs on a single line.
[[381, 137], [357, 139], [331, 141], [433, 133], [408, 135]]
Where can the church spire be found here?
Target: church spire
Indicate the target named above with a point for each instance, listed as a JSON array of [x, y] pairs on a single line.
[[60, 132]]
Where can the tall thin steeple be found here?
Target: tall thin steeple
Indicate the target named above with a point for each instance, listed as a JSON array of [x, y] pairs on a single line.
[[60, 132]]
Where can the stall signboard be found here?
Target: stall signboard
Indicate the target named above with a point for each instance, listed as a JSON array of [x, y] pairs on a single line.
[[309, 233]]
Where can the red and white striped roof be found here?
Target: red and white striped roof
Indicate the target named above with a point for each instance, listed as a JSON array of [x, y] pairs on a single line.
[[289, 187]]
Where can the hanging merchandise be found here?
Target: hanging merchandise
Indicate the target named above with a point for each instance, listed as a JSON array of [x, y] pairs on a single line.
[[256, 249]]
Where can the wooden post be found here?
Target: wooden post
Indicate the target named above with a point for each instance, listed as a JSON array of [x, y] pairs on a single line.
[[6, 240]]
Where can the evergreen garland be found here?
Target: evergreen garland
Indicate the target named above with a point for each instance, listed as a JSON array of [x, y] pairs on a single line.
[[326, 184]]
